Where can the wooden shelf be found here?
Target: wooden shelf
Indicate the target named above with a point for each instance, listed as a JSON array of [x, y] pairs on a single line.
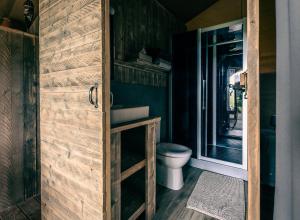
[[131, 157], [132, 160], [138, 212], [132, 170], [147, 67], [133, 124], [133, 196]]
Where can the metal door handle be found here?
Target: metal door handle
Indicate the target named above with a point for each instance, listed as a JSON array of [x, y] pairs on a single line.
[[203, 94], [91, 99]]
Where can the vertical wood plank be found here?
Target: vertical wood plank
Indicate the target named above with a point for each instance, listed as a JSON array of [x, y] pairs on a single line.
[[5, 120], [150, 171], [253, 110], [17, 118], [17, 186], [30, 118], [116, 176], [106, 107], [38, 140]]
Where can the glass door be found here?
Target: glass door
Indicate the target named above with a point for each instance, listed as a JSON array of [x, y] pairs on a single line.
[[222, 109]]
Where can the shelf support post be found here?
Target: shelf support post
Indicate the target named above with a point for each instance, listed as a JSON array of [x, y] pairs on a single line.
[[116, 175], [150, 170]]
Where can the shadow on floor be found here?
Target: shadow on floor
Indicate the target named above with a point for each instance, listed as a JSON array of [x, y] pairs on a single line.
[[171, 205], [28, 210]]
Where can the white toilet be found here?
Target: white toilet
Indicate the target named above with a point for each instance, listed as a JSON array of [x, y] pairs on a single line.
[[170, 159]]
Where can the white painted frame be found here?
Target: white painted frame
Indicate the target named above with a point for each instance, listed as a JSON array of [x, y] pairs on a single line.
[[211, 164]]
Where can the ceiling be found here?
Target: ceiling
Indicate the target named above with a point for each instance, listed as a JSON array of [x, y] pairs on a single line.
[[185, 10], [13, 9], [182, 9]]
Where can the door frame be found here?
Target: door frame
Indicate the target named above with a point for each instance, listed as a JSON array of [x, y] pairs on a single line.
[[253, 61], [253, 152], [226, 164], [106, 68]]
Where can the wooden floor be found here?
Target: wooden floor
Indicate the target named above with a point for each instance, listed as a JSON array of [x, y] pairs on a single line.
[[172, 204], [29, 210]]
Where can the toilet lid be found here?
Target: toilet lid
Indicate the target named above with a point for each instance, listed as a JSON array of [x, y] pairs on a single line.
[[173, 150]]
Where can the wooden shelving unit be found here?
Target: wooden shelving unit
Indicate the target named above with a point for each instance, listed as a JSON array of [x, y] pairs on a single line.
[[141, 66], [133, 196], [130, 158], [133, 171]]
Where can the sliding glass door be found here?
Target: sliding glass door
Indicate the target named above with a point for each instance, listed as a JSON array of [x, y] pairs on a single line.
[[222, 103]]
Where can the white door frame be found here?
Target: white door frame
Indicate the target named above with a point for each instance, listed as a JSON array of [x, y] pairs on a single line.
[[216, 165]]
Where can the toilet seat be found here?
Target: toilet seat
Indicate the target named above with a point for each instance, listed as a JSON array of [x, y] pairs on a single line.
[[173, 150]]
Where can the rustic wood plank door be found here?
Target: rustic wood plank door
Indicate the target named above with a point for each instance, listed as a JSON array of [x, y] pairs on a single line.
[[72, 109]]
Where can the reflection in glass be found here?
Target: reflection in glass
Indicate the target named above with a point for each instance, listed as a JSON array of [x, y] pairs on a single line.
[[231, 33]]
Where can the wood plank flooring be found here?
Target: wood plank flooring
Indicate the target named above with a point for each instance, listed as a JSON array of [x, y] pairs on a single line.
[[28, 210], [171, 205]]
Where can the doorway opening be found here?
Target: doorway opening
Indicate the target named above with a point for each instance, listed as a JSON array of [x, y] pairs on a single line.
[[209, 66], [222, 109]]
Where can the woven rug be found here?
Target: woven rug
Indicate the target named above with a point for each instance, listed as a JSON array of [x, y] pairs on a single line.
[[218, 196]]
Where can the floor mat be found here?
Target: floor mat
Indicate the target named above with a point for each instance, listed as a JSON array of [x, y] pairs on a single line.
[[219, 196]]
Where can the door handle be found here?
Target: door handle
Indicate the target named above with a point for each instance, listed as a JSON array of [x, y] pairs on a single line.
[[91, 92], [203, 94]]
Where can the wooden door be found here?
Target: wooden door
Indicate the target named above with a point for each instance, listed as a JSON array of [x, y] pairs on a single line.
[[72, 61]]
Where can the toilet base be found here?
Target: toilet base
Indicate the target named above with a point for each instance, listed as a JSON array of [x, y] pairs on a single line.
[[169, 177]]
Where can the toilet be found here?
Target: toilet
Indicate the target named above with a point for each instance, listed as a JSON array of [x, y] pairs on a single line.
[[170, 158]]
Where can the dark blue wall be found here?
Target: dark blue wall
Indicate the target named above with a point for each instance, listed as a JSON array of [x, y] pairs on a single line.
[[136, 25], [156, 98]]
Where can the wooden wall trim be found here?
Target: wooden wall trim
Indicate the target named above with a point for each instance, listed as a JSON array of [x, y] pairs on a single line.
[[132, 74], [106, 101], [11, 30], [253, 110]]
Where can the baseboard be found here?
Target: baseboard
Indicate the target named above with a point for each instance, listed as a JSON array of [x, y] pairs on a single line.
[[219, 168]]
